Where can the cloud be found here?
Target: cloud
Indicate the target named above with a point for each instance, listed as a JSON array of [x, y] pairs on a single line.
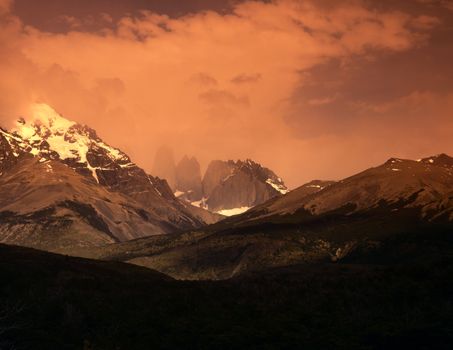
[[5, 6], [425, 22], [203, 79], [448, 4], [246, 78], [218, 85], [322, 101]]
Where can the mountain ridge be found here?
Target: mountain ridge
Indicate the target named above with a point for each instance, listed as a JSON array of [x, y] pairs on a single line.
[[400, 201]]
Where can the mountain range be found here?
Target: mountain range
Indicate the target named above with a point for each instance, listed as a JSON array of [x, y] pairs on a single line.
[[227, 187], [359, 263], [401, 201], [63, 189]]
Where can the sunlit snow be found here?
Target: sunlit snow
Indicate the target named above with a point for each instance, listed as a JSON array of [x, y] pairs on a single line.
[[315, 186], [278, 186], [63, 138], [178, 193], [234, 211]]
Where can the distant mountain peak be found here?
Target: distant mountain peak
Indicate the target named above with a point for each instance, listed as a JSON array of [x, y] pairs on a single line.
[[188, 179], [50, 135], [164, 165], [441, 159], [230, 187], [263, 174]]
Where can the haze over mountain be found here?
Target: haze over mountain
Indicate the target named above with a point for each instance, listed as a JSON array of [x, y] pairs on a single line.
[[188, 179], [164, 165]]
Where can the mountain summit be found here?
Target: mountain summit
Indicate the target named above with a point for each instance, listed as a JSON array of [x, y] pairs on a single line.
[[231, 186], [51, 136]]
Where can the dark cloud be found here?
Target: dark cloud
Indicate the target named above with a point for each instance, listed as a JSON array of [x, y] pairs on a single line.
[[246, 78], [60, 16], [332, 96], [225, 98]]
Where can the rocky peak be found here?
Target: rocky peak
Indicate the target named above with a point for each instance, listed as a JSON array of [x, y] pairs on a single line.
[[217, 172], [12, 148], [230, 186], [188, 178]]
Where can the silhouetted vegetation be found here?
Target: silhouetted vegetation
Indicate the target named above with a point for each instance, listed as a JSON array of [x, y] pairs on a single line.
[[59, 302]]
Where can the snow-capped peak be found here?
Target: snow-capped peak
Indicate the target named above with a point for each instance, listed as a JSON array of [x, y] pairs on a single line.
[[43, 115], [49, 134], [42, 121]]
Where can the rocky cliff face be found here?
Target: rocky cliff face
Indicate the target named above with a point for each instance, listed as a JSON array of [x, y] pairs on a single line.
[[242, 184], [228, 187], [12, 150], [188, 179], [217, 171]]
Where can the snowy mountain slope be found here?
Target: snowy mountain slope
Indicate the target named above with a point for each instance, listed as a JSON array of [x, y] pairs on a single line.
[[47, 136]]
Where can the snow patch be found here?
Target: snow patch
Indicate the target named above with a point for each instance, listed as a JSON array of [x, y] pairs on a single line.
[[277, 186], [49, 168], [316, 186], [200, 204], [178, 193], [234, 211]]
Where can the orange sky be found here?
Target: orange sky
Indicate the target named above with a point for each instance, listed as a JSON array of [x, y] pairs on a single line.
[[311, 89]]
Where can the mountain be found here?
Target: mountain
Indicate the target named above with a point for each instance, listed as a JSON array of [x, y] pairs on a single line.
[[164, 166], [188, 179], [228, 187], [47, 205], [425, 186], [231, 187], [62, 188], [401, 210]]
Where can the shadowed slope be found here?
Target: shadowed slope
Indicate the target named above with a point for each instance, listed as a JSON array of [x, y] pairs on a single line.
[[56, 302]]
